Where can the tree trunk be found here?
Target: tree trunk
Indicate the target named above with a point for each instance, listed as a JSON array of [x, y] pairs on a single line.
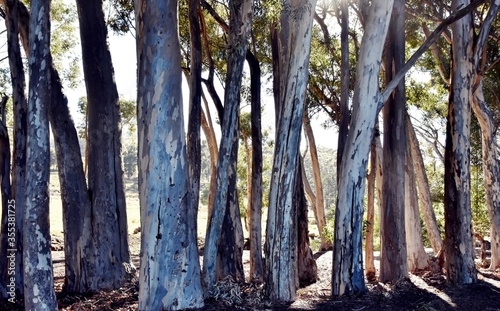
[[108, 260], [347, 276], [7, 234], [248, 155], [20, 108], [491, 164], [370, 270], [39, 291], [458, 245], [294, 43], [393, 255], [169, 276], [194, 121], [208, 130], [424, 193], [306, 266], [318, 184], [417, 257], [256, 264], [344, 84], [74, 194], [495, 250], [240, 26], [230, 247]]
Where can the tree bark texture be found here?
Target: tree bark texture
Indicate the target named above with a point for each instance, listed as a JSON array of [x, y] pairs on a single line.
[[240, 27], [458, 245], [108, 260], [169, 276], [491, 164], [347, 252], [417, 257], [306, 266], [293, 47], [256, 264], [39, 291], [393, 256], [194, 118], [370, 270], [424, 193], [20, 108], [208, 130], [74, 194]]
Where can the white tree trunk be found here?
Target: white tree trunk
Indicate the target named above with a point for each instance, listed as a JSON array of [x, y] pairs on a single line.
[[347, 257], [169, 275], [294, 42], [39, 291]]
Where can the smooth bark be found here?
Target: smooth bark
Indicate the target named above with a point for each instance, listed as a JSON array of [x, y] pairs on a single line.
[[108, 259], [169, 276], [416, 255], [393, 256], [240, 27], [424, 193], [318, 184], [256, 264], [348, 276]]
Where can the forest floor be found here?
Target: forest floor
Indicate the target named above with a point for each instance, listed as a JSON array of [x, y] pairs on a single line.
[[423, 291]]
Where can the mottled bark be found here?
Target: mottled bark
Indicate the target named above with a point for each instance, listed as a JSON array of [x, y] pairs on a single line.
[[393, 256], [458, 245], [347, 276], [108, 258], [417, 257], [424, 193], [170, 276], [74, 194], [20, 108], [318, 184], [240, 26], [39, 291], [293, 43]]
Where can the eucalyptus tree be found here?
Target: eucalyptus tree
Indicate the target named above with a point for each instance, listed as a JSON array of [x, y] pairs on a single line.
[[39, 291], [293, 42], [13, 21], [170, 276], [393, 257], [239, 33]]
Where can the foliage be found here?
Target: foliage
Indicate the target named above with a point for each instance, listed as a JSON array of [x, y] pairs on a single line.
[[130, 160]]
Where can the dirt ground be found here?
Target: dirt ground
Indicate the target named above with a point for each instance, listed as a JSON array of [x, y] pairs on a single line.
[[422, 291]]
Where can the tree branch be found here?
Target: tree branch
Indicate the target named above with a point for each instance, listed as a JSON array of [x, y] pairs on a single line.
[[421, 50]]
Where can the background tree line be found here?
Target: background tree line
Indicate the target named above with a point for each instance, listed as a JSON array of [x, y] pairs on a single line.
[[345, 59]]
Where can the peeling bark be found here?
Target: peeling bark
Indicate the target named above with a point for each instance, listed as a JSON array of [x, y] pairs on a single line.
[[169, 276], [458, 246], [39, 291], [292, 45], [348, 276]]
